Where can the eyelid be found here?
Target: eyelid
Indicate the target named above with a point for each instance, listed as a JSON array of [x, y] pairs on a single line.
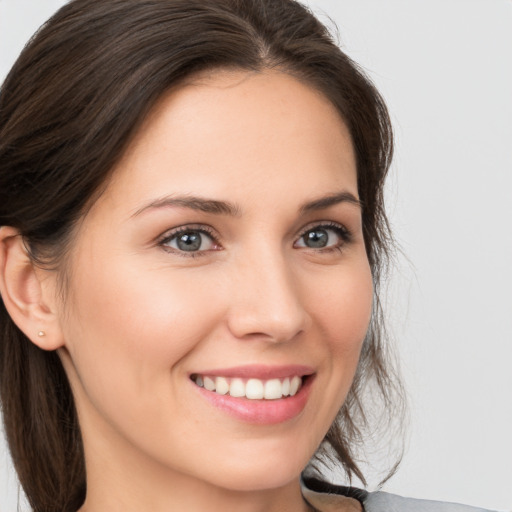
[[342, 231], [326, 224], [170, 234]]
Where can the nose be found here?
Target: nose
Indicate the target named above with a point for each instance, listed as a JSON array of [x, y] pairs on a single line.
[[266, 301]]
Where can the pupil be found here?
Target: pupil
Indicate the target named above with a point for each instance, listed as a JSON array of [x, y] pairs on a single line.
[[316, 239], [189, 241]]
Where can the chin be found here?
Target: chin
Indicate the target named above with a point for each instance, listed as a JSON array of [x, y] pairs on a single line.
[[266, 469], [254, 479]]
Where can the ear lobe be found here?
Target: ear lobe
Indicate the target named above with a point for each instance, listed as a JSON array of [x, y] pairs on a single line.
[[28, 300]]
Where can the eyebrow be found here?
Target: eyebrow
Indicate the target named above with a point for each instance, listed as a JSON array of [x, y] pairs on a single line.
[[194, 203], [327, 201], [227, 208]]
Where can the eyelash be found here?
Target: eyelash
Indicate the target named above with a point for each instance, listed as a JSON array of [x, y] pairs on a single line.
[[344, 234], [171, 235]]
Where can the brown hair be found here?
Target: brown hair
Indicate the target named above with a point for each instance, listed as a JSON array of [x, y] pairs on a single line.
[[68, 109]]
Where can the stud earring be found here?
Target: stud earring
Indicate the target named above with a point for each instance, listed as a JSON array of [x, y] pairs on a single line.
[[41, 334]]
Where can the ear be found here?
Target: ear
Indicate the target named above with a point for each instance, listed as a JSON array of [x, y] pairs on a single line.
[[28, 292]]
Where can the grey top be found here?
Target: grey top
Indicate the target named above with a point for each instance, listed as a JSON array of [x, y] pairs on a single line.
[[383, 501], [326, 497]]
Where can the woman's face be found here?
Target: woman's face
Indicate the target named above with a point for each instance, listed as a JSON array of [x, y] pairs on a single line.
[[226, 251]]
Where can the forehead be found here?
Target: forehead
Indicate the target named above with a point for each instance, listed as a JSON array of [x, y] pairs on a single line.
[[230, 132]]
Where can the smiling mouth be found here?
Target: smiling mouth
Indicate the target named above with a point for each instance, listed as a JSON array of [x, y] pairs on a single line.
[[252, 389]]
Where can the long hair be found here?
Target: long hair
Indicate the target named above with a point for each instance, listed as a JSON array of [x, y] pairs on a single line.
[[69, 108]]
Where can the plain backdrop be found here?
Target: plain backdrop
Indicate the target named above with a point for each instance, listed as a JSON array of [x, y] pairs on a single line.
[[445, 69]]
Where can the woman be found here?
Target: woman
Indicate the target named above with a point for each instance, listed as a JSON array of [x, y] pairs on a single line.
[[191, 245]]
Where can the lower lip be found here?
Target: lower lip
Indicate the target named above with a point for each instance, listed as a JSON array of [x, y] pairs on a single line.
[[260, 412]]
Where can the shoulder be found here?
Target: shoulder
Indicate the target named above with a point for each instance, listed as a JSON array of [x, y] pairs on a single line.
[[332, 498], [385, 502]]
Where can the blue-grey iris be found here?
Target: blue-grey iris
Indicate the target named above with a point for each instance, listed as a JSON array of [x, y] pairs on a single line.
[[317, 238], [190, 241]]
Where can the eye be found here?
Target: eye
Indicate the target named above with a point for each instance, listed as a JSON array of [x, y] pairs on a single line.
[[190, 240], [331, 236]]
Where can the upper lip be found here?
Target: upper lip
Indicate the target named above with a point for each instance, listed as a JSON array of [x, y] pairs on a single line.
[[262, 372]]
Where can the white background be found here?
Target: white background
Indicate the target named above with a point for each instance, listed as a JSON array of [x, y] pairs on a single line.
[[445, 69]]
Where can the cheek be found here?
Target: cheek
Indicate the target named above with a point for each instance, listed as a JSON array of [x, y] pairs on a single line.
[[343, 312], [128, 327], [344, 308]]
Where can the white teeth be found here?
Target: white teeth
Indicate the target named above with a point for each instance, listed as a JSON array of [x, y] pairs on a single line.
[[237, 388], [273, 389], [209, 384], [221, 386], [253, 389], [294, 385], [286, 386]]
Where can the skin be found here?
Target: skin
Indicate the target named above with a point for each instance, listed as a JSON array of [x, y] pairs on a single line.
[[140, 316]]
